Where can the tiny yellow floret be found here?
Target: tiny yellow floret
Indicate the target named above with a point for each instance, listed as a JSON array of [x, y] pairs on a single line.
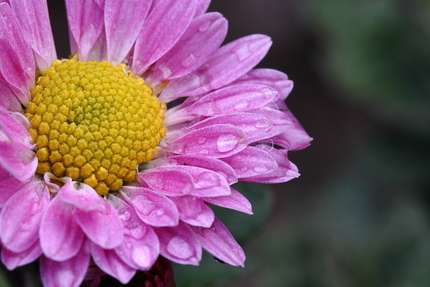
[[94, 122]]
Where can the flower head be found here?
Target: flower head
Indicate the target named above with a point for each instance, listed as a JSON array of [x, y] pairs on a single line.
[[112, 156]]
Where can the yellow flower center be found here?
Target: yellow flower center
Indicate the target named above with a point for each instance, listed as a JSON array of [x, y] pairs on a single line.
[[94, 122]]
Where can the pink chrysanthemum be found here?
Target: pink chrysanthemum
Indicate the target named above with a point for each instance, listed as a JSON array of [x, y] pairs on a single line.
[[111, 157]]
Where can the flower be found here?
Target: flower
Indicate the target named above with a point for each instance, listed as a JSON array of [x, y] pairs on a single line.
[[111, 157]]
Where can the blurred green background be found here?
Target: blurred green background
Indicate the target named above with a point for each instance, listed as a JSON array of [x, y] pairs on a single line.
[[359, 214]]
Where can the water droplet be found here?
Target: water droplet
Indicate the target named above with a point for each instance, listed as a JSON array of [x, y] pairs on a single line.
[[189, 61], [179, 248], [261, 168], [124, 214], [262, 124], [241, 105], [244, 168], [206, 180], [201, 140], [242, 53], [128, 245], [142, 255], [143, 204], [227, 142], [205, 26]]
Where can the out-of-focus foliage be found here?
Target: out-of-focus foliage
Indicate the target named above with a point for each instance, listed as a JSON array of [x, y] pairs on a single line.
[[377, 52]]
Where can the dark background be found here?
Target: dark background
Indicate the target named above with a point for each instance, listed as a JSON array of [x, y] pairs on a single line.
[[359, 213]]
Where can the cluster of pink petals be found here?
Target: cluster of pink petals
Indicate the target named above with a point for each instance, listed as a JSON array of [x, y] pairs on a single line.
[[233, 126]]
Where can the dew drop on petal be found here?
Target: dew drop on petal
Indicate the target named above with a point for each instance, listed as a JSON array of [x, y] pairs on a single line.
[[227, 142], [241, 105], [179, 248], [124, 214], [201, 140], [141, 256], [206, 180], [261, 168], [242, 52], [205, 26], [189, 61], [262, 124], [143, 205]]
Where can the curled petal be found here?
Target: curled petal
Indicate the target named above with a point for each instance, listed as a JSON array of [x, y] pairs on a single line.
[[179, 244], [226, 65], [152, 208], [8, 100], [213, 141], [14, 259], [102, 225], [233, 99], [60, 236], [65, 273], [21, 216], [219, 242], [14, 130], [18, 161], [109, 262], [235, 201]]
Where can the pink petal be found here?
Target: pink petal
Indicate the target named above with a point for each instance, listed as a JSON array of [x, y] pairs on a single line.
[[163, 28], [219, 242], [34, 20], [18, 160], [251, 161], [80, 195], [194, 211], [109, 262], [15, 131], [67, 273], [204, 35], [294, 138], [60, 236], [179, 244], [8, 186], [225, 65], [206, 182], [17, 62], [8, 100], [123, 21], [202, 6], [102, 225], [214, 141], [235, 201], [286, 169], [233, 99], [85, 20], [14, 259], [279, 120], [213, 164], [21, 216], [269, 77], [254, 126], [140, 247], [152, 208], [167, 180]]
